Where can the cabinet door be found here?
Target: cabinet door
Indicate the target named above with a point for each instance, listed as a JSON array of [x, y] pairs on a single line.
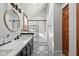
[[65, 30], [24, 52], [28, 49]]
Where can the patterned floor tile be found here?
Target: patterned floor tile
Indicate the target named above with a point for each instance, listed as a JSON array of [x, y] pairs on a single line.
[[42, 49]]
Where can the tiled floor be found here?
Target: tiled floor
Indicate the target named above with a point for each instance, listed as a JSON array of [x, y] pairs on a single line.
[[41, 49], [58, 53]]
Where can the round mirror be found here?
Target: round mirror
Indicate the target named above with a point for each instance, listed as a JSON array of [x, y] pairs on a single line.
[[11, 20]]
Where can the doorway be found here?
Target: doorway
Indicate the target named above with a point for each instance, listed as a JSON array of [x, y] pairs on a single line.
[[65, 30]]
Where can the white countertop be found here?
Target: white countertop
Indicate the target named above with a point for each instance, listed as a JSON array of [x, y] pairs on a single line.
[[16, 46]]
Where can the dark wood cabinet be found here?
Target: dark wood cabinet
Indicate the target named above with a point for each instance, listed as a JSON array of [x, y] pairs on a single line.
[[27, 50]]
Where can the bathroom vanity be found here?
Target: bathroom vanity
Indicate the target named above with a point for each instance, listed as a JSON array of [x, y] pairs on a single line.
[[27, 49], [20, 47]]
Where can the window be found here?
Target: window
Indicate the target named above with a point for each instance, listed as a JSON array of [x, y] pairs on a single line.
[[25, 22]]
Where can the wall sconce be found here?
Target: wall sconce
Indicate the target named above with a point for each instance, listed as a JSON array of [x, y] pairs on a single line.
[[16, 7], [20, 11], [13, 5]]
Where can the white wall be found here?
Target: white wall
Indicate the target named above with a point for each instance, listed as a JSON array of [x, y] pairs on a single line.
[[72, 29], [50, 26], [57, 27]]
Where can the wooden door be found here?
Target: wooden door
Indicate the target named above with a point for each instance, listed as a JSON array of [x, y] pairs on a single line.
[[65, 30], [77, 28]]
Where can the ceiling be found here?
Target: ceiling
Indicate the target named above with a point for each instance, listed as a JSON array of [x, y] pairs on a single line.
[[34, 9]]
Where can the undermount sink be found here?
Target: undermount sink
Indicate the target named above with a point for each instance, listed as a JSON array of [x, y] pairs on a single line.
[[4, 52], [25, 37]]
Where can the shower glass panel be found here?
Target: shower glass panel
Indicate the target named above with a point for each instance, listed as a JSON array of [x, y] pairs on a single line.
[[39, 29], [42, 31]]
